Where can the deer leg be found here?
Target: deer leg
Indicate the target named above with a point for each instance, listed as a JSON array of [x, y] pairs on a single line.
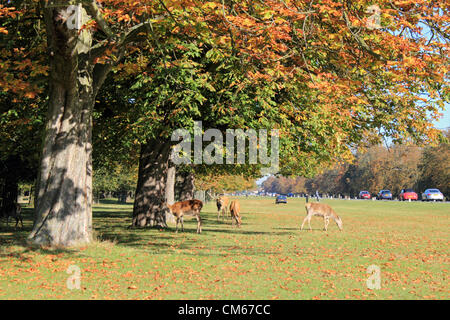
[[182, 224], [327, 221], [304, 220], [199, 224], [338, 223], [178, 219]]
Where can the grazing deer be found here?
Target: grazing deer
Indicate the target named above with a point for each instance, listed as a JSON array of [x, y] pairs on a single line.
[[188, 208], [222, 204], [321, 210], [235, 209], [14, 211]]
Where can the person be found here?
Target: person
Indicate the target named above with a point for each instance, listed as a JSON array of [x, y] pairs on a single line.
[[317, 195]]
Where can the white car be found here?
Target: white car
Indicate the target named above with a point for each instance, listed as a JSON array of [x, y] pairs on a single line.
[[432, 194]]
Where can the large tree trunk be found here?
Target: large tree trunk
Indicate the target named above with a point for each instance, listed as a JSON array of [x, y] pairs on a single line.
[[186, 186], [63, 213], [170, 189], [64, 191], [150, 196]]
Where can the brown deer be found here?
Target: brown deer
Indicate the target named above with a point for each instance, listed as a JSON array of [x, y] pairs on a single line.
[[188, 208], [14, 211], [222, 205], [235, 209], [321, 210]]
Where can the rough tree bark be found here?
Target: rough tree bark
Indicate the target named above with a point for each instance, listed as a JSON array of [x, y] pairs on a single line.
[[63, 213], [186, 186], [170, 189], [150, 196]]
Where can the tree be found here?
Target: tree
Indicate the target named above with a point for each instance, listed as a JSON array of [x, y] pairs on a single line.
[[117, 178], [435, 167], [21, 118], [326, 130], [78, 69], [224, 183]]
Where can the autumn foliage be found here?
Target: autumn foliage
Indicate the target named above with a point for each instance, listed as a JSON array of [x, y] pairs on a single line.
[[330, 78]]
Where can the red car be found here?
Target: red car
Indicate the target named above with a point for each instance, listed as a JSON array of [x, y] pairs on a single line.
[[364, 195], [407, 194]]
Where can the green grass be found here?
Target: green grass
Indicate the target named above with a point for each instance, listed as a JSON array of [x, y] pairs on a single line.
[[268, 258]]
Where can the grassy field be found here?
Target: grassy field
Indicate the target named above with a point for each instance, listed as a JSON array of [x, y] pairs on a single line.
[[268, 258]]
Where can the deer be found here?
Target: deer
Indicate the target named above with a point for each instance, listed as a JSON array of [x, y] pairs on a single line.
[[14, 211], [189, 208], [222, 204], [235, 209], [321, 210]]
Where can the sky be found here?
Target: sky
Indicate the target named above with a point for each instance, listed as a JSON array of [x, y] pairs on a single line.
[[444, 122]]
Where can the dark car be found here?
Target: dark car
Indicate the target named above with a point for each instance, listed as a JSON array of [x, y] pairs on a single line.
[[364, 195], [408, 194], [281, 199], [384, 195]]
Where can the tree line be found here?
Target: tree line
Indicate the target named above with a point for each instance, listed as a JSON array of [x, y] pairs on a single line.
[[395, 168]]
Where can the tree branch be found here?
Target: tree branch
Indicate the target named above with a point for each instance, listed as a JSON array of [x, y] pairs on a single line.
[[94, 11], [361, 41]]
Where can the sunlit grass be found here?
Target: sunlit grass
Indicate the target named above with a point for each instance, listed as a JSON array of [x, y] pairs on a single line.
[[267, 258]]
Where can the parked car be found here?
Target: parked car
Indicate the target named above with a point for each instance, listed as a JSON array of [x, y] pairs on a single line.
[[364, 195], [281, 199], [432, 195], [407, 194], [384, 195]]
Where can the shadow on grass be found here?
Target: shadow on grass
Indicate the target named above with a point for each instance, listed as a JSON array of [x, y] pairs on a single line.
[[247, 232], [114, 202], [304, 229], [9, 237], [112, 225]]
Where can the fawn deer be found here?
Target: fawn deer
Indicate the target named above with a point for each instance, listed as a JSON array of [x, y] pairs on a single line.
[[222, 204], [187, 208], [14, 211], [235, 209], [321, 210]]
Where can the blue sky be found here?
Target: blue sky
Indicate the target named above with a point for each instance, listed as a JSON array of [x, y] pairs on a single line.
[[444, 122]]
